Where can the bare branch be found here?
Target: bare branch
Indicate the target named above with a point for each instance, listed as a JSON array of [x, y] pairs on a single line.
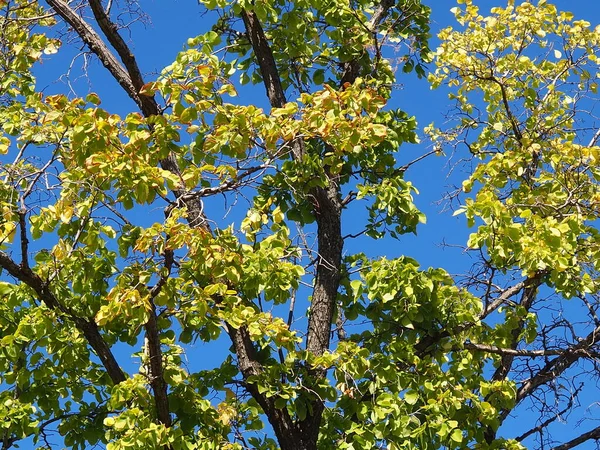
[[147, 104], [502, 298], [95, 43], [529, 292], [592, 434], [511, 351], [544, 424], [559, 364]]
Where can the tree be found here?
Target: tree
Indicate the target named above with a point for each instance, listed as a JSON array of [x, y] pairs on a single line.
[[327, 348]]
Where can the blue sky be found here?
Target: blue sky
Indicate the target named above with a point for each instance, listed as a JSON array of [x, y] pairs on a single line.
[[173, 22]]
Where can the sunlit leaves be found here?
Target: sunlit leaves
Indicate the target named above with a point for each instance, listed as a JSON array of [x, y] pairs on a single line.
[[105, 199], [537, 194], [393, 210]]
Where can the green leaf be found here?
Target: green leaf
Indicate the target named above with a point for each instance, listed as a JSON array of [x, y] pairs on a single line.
[[411, 397]]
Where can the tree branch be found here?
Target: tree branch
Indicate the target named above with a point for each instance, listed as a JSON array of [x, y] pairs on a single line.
[[130, 80], [559, 364], [502, 298], [155, 368], [87, 327], [265, 59], [155, 359], [147, 104], [327, 208], [98, 47], [529, 292], [284, 427], [24, 241], [327, 205], [592, 434], [511, 351], [544, 424]]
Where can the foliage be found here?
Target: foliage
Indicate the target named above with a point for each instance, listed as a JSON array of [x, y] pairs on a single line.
[[328, 348]]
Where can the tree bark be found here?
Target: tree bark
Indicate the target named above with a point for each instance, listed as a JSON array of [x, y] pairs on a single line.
[[327, 209]]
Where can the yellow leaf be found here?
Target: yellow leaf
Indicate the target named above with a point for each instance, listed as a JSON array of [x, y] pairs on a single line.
[[4, 145], [379, 130], [277, 215], [66, 214]]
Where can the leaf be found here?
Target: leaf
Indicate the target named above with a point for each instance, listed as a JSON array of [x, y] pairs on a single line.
[[93, 99], [411, 397], [456, 436], [319, 76]]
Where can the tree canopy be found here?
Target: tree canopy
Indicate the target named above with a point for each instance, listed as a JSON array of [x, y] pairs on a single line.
[[210, 222]]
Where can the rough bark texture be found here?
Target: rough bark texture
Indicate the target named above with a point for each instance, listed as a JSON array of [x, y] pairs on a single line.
[[327, 209], [265, 60], [283, 425]]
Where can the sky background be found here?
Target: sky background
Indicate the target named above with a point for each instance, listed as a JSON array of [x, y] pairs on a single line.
[[172, 22]]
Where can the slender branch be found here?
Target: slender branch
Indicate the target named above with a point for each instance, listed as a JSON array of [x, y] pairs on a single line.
[[130, 79], [594, 138], [169, 261], [24, 241], [427, 343], [513, 122], [541, 426], [524, 352], [502, 298], [592, 434], [511, 351], [87, 327], [351, 69], [380, 14], [529, 292], [559, 364], [97, 46], [226, 186], [147, 104], [406, 166], [529, 288]]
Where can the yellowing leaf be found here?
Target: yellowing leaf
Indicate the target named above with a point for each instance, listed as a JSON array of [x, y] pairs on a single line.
[[456, 435], [66, 213], [278, 215], [4, 145]]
